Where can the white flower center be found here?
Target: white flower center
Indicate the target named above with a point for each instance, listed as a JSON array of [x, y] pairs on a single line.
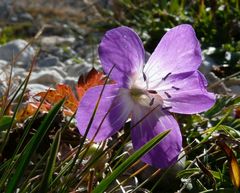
[[139, 93]]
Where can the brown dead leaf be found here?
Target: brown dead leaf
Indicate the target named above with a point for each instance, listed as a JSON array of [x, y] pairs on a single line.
[[233, 164], [30, 109], [237, 112], [53, 96], [61, 91], [93, 78]]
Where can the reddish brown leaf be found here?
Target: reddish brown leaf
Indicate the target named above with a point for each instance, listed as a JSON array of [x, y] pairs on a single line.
[[233, 164], [61, 91], [93, 78], [237, 112], [53, 96], [29, 110]]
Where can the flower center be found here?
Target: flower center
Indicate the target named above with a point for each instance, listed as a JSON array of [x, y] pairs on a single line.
[[140, 93], [136, 93], [146, 98]]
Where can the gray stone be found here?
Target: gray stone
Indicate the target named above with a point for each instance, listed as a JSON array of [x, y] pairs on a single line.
[[89, 52], [25, 17], [3, 63], [50, 61], [55, 41], [58, 69], [46, 77], [215, 84], [71, 81], [36, 88], [234, 85], [207, 64], [13, 48], [20, 71], [74, 70], [5, 72], [6, 9]]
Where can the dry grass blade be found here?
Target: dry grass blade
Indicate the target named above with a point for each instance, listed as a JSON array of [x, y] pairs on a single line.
[[233, 164], [207, 172], [18, 105]]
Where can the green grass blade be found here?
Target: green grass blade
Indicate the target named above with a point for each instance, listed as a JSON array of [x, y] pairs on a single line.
[[19, 103], [87, 130], [19, 145], [47, 178], [5, 122], [104, 184], [31, 147], [6, 106], [27, 182]]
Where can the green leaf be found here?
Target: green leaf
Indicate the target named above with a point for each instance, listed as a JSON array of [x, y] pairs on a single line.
[[220, 104], [187, 172], [221, 190], [31, 147], [104, 184], [10, 167], [47, 178], [5, 122]]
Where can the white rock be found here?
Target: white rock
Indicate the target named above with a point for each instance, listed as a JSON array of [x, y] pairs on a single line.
[[209, 51], [20, 71], [207, 64], [46, 77], [12, 48], [219, 88], [76, 70], [58, 69], [5, 72], [56, 40], [3, 63], [71, 81], [36, 88], [234, 85]]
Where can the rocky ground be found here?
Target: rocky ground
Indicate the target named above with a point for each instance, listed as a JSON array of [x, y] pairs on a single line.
[[67, 46]]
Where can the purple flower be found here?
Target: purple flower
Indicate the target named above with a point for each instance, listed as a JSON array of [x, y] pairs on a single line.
[[168, 82]]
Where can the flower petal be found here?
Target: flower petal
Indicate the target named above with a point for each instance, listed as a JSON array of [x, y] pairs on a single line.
[[122, 48], [186, 93], [111, 114], [167, 151], [177, 52]]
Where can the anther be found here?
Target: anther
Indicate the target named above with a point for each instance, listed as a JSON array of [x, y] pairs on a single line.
[[144, 77], [165, 77], [176, 88], [152, 91], [151, 102], [167, 94], [166, 108]]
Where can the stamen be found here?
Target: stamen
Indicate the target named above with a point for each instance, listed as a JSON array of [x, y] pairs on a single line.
[[166, 108], [164, 78], [167, 94], [152, 91], [144, 77], [176, 88], [151, 102]]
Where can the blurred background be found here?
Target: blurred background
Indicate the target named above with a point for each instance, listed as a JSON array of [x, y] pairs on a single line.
[[76, 27]]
